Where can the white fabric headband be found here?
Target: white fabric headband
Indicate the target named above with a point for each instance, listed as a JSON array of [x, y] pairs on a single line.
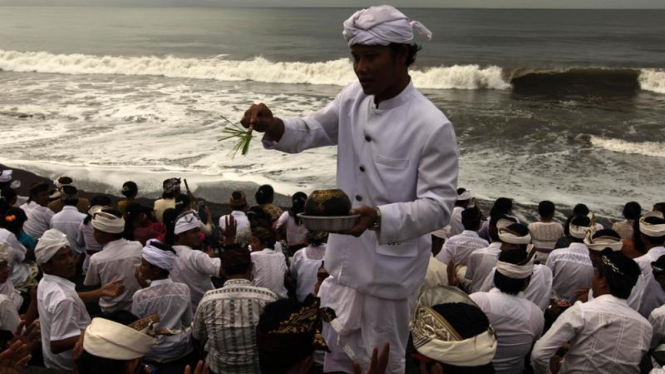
[[108, 223], [188, 221], [579, 232], [599, 244], [503, 223], [649, 229], [466, 195], [437, 340], [507, 236], [49, 244], [6, 176], [381, 25], [60, 185], [158, 257], [108, 339], [517, 271]]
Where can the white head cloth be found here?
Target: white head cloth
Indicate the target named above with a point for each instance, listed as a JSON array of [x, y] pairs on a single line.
[[507, 236], [49, 244], [381, 25], [5, 254], [466, 195], [600, 243], [158, 257], [579, 232], [521, 271], [108, 339], [503, 223], [59, 185], [433, 337], [108, 223], [441, 234], [651, 230], [187, 221], [6, 176], [94, 209]]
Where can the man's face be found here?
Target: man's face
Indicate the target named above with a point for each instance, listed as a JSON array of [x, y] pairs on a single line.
[[63, 264], [4, 272], [41, 198], [191, 238], [376, 67], [146, 269]]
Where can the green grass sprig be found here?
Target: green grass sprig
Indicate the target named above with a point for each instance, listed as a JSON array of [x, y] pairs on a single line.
[[236, 131]]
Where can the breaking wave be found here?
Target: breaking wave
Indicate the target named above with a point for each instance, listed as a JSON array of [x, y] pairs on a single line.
[[652, 149]]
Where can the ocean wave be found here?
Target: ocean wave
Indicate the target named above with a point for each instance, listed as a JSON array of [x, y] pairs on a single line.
[[652, 149], [337, 72], [653, 80]]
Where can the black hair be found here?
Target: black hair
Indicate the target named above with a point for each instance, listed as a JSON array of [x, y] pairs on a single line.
[[581, 210], [169, 217], [237, 195], [129, 189], [505, 284], [502, 205], [182, 203], [259, 217], [582, 221], [521, 230], [70, 190], [632, 210], [622, 276], [659, 207], [413, 50], [653, 239], [314, 240], [265, 195], [132, 212], [7, 195], [546, 209], [469, 321], [273, 361], [298, 205], [16, 224], [471, 218], [461, 202], [638, 243], [37, 188], [237, 269]]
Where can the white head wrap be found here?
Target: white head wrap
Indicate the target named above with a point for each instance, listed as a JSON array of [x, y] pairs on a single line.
[[94, 209], [600, 243], [187, 221], [381, 25], [521, 271], [651, 230], [108, 339], [108, 223], [59, 184], [5, 254], [503, 223], [441, 234], [49, 244], [158, 257], [579, 232], [507, 236], [6, 176], [435, 338], [466, 195]]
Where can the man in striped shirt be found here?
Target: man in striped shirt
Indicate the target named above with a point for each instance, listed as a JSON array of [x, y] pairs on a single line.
[[226, 319]]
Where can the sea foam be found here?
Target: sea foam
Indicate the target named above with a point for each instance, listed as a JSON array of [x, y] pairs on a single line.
[[652, 149]]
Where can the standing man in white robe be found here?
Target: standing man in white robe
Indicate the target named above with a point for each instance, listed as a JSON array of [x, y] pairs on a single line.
[[397, 160]]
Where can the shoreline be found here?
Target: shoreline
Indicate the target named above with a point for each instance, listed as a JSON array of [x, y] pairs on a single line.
[[525, 212]]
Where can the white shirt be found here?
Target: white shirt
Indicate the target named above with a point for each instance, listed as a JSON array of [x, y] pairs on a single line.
[[269, 271], [636, 294], [9, 318], [69, 221], [172, 302], [544, 235], [62, 315], [295, 233], [657, 320], [480, 264], [304, 269], [117, 261], [39, 219], [654, 296], [19, 269], [86, 241], [7, 289], [400, 157], [226, 322], [606, 336], [459, 247], [572, 270], [539, 290], [455, 226], [242, 222], [518, 323], [194, 268]]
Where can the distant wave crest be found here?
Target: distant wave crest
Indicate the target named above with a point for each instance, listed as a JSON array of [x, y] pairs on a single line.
[[338, 72], [652, 149]]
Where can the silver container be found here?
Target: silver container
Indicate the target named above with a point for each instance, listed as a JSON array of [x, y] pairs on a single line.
[[329, 224]]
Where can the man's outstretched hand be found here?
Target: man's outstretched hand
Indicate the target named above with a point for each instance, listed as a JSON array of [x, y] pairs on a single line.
[[260, 117]]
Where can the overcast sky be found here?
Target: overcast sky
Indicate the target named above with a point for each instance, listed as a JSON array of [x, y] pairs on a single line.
[[593, 4]]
